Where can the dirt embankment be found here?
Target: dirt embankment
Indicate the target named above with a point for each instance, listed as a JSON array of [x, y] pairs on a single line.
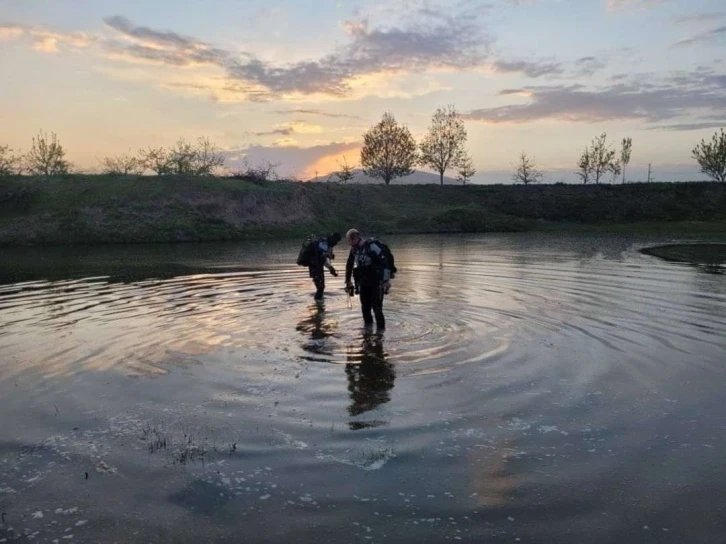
[[98, 209]]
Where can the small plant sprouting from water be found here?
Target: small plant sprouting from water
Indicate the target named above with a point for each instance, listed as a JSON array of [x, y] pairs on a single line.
[[155, 440], [191, 447]]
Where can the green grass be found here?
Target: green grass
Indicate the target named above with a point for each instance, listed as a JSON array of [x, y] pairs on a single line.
[[83, 209], [705, 254]]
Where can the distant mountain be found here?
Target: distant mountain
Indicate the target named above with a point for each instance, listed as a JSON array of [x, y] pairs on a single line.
[[417, 178]]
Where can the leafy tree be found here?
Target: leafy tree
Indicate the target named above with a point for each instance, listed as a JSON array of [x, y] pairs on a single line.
[[156, 159], [389, 150], [712, 156], [585, 166], [443, 145], [10, 164], [123, 165], [207, 158], [47, 157], [602, 158]]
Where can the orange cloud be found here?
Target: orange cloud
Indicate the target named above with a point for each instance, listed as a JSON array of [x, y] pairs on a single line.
[[329, 164]]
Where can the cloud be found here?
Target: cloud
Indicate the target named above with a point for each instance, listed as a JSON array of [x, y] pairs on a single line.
[[587, 66], [517, 92], [692, 93], [701, 18], [425, 43], [45, 40], [613, 5], [691, 126], [709, 37], [164, 47], [533, 69], [317, 112], [295, 127], [293, 159]]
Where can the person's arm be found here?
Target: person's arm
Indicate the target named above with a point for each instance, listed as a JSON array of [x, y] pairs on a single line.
[[349, 267]]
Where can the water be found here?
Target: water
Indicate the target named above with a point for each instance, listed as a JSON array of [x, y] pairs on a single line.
[[533, 388]]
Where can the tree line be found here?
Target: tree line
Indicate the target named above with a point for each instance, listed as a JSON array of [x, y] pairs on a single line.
[[389, 151]]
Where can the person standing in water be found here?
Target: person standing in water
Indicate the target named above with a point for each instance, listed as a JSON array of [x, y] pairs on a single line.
[[316, 254], [370, 265]]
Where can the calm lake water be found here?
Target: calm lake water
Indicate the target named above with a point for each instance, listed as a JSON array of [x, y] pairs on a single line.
[[529, 388]]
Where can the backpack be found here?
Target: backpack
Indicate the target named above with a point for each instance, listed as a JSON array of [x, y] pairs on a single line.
[[308, 252], [386, 252]]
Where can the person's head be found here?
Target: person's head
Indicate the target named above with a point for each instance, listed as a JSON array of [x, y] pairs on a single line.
[[333, 239], [353, 237]]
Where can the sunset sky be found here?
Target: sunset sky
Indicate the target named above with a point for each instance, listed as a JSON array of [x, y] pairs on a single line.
[[298, 82]]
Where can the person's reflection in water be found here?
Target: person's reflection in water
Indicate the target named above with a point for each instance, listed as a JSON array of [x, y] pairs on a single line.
[[318, 329], [370, 379]]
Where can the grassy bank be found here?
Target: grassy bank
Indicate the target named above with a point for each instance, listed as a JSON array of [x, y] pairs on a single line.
[[99, 209], [705, 254]]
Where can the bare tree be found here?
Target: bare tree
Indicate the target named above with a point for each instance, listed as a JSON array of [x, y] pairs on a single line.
[[527, 171], [47, 157], [156, 159], [10, 164], [389, 150], [208, 158], [712, 156], [585, 166], [443, 145], [602, 158], [264, 171], [346, 173], [122, 165], [465, 170], [625, 151]]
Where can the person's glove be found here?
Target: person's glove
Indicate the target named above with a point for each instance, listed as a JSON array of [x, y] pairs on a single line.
[[386, 287], [334, 272], [350, 289]]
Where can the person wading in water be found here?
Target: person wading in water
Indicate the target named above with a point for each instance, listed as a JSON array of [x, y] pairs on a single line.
[[370, 264]]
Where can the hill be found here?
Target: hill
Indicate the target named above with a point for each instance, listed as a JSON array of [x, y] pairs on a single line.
[[100, 209], [419, 177]]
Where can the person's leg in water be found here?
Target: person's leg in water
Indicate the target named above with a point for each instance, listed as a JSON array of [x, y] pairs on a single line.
[[371, 302], [317, 273], [366, 303]]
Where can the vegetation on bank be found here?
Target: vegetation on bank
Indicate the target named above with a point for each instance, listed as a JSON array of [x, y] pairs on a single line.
[[711, 256], [135, 209]]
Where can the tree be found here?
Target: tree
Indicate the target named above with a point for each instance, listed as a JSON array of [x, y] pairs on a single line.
[[466, 170], [207, 158], [46, 157], [346, 172], [602, 158], [182, 158], [527, 171], [443, 145], [156, 159], [585, 166], [265, 171], [123, 165], [389, 150], [627, 148], [712, 156], [10, 164]]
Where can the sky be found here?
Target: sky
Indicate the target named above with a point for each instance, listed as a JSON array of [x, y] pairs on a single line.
[[297, 83]]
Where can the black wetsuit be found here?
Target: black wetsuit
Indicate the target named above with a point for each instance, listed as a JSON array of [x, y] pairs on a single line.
[[323, 254], [368, 265]]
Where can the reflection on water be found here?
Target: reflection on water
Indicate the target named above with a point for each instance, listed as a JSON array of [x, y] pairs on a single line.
[[370, 378], [547, 388]]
